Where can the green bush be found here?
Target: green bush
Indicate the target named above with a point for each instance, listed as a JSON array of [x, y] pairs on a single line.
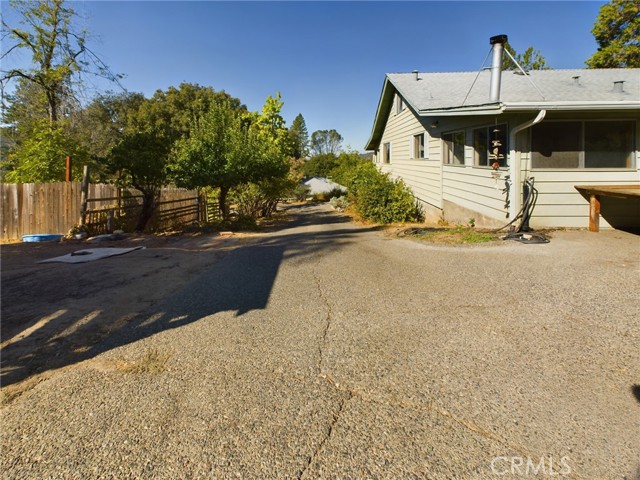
[[339, 202], [380, 199]]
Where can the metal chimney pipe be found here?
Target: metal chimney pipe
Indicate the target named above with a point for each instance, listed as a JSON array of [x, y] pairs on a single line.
[[496, 66]]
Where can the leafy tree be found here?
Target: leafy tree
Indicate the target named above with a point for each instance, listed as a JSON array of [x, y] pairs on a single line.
[[46, 89], [154, 124], [140, 159], [228, 148], [38, 159], [326, 141], [617, 31], [218, 153], [531, 59], [104, 123], [320, 165], [58, 51], [174, 111], [347, 165], [299, 138]]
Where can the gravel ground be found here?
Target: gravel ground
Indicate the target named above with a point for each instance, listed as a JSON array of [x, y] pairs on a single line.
[[331, 350]]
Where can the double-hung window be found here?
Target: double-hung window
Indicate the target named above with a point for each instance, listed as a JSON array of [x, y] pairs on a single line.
[[454, 148]]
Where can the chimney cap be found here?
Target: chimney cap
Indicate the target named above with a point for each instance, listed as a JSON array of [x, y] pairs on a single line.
[[498, 39]]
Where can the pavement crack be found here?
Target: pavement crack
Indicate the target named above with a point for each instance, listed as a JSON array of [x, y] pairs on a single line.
[[336, 417], [467, 424], [327, 321]]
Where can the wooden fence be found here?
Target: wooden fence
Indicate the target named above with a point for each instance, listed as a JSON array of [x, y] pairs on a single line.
[[56, 207]]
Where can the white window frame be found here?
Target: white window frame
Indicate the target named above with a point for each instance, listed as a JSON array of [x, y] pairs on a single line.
[[386, 152], [414, 146]]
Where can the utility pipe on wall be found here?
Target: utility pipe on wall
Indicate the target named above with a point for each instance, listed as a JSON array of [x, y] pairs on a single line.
[[515, 168]]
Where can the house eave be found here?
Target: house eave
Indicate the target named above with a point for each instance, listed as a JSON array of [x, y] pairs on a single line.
[[498, 108], [572, 106]]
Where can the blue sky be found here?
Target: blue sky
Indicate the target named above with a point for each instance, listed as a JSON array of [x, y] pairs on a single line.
[[327, 59]]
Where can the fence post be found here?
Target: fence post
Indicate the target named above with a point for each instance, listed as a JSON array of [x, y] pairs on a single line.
[[68, 171], [85, 194]]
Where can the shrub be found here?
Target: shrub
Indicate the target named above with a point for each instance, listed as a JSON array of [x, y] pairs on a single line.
[[380, 199], [339, 202], [336, 192], [302, 192]]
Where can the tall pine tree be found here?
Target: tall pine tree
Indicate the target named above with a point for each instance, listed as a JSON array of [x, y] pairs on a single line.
[[299, 138]]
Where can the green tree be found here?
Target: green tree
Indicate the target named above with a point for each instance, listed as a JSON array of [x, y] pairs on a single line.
[[617, 31], [326, 141], [173, 112], [45, 89], [103, 124], [218, 153], [228, 148], [154, 124], [531, 59], [140, 160], [58, 51], [38, 159], [299, 138], [320, 165]]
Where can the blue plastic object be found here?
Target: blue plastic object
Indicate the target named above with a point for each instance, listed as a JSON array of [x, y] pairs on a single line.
[[42, 237]]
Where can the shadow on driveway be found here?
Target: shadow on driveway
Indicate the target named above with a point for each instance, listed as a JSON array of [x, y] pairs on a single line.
[[241, 281]]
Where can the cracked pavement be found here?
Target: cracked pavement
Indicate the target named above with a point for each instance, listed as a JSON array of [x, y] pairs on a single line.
[[328, 349]]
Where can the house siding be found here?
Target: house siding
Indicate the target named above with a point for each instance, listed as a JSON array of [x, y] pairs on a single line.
[[460, 192], [561, 205], [422, 175]]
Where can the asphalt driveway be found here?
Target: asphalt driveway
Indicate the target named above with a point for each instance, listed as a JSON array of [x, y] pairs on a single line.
[[328, 349]]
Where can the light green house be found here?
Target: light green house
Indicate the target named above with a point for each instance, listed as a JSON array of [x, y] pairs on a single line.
[[465, 142]]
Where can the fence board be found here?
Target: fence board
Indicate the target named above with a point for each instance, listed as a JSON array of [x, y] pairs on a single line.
[[55, 208]]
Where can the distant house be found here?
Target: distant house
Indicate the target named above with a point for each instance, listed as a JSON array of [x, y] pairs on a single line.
[[465, 142], [321, 185]]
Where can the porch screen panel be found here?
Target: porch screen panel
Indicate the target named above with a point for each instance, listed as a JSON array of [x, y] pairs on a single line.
[[556, 145], [608, 144]]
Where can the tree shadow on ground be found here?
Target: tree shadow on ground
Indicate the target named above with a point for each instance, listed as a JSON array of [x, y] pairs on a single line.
[[241, 281]]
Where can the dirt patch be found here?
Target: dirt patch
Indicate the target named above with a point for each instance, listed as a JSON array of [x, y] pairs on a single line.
[[55, 314]]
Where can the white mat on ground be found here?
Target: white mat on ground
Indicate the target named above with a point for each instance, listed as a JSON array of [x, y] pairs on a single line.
[[90, 254]]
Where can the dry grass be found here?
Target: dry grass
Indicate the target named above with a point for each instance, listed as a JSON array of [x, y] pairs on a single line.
[[459, 235], [153, 361]]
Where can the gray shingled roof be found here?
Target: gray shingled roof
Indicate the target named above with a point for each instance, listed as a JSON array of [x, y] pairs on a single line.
[[437, 94], [435, 91]]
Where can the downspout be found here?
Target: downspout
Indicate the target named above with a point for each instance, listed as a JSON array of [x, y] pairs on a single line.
[[515, 167]]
